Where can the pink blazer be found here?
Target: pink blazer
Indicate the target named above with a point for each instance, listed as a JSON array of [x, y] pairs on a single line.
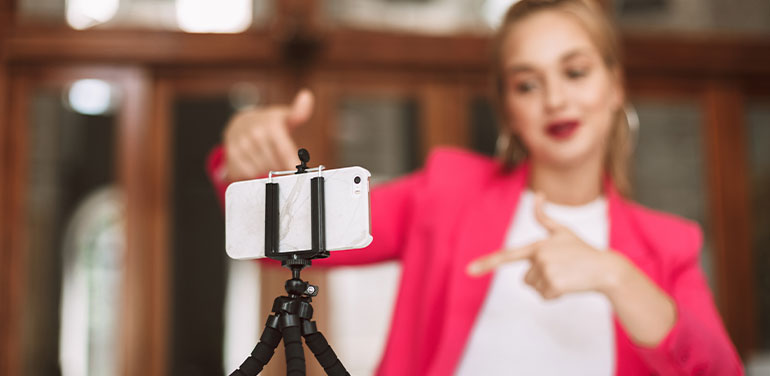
[[457, 208]]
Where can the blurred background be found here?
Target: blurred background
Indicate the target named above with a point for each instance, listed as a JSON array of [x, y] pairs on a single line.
[[112, 254]]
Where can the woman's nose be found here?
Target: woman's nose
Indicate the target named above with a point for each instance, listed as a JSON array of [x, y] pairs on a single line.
[[554, 95]]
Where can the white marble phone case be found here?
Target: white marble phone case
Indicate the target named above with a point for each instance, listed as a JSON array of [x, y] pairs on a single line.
[[346, 206]]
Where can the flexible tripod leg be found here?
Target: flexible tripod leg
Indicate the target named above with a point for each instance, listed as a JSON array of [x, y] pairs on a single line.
[[263, 351], [292, 341], [322, 350]]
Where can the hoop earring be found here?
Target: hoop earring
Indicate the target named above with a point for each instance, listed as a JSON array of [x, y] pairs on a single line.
[[632, 121], [503, 144]]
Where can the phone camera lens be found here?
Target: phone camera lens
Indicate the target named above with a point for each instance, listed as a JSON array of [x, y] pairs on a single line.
[[357, 179]]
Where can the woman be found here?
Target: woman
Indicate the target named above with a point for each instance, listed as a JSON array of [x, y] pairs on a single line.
[[538, 264]]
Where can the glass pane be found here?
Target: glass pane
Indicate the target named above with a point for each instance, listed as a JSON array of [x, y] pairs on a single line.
[[199, 263], [484, 128], [759, 140], [187, 15], [482, 16], [751, 16], [669, 169], [75, 234], [379, 133], [371, 128], [418, 16]]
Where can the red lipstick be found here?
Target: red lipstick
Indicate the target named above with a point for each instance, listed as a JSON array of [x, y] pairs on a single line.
[[562, 129]]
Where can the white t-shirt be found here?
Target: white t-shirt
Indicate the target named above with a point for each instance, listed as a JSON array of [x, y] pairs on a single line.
[[518, 332]]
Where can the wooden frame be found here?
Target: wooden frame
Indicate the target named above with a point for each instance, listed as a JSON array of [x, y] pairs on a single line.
[[144, 171], [8, 350], [12, 257], [722, 102], [145, 253], [729, 177], [693, 57], [206, 82]]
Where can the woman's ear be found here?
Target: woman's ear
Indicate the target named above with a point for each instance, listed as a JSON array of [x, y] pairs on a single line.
[[618, 98], [509, 126]]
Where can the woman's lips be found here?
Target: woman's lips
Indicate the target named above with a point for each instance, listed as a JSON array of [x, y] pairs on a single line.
[[562, 130]]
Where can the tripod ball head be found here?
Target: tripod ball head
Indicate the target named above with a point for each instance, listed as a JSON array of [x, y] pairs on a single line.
[[298, 287]]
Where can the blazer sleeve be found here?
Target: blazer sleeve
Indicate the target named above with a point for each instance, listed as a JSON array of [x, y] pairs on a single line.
[[698, 343], [392, 211], [215, 169]]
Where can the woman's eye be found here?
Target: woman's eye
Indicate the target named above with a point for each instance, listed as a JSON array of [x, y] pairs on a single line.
[[525, 87], [576, 73]]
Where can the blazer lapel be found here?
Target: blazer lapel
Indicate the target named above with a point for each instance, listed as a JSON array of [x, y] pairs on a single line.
[[624, 239], [484, 229], [624, 236]]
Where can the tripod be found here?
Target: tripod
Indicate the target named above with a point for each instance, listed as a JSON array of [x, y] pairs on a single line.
[[290, 321], [292, 313]]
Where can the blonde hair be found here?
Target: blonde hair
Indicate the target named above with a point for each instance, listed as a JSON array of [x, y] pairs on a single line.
[[600, 29]]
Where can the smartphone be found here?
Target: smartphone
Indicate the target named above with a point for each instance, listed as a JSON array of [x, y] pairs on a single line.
[[346, 205]]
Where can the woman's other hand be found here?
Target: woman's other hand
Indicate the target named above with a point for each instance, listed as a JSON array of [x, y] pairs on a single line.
[[560, 264], [258, 140]]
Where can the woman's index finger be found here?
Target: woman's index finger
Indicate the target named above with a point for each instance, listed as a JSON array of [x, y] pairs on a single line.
[[485, 264]]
